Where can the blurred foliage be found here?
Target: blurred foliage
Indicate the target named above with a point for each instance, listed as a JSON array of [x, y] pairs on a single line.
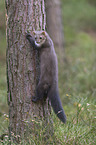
[[2, 16], [77, 75], [2, 32], [79, 14], [92, 2]]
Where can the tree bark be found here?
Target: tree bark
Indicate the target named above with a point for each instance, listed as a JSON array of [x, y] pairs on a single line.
[[23, 68], [54, 23]]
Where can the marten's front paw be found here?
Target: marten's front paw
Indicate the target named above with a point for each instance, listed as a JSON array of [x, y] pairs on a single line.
[[28, 35], [34, 99]]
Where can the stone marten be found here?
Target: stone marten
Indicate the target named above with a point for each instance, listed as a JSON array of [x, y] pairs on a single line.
[[48, 82]]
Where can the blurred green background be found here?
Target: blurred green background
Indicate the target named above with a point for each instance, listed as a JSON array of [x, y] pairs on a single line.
[[77, 76]]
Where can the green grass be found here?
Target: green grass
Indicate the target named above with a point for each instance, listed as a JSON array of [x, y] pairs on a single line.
[[77, 76]]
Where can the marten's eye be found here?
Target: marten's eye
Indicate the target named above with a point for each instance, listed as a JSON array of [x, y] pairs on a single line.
[[40, 37]]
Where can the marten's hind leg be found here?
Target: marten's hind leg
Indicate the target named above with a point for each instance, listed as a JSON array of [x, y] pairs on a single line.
[[41, 92]]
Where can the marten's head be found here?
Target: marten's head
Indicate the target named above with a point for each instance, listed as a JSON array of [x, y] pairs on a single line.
[[40, 37]]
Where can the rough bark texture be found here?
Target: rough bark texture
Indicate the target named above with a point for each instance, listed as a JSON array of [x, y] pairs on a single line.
[[54, 23], [23, 67]]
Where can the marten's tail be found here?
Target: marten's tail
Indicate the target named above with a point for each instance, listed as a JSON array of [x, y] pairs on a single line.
[[57, 105]]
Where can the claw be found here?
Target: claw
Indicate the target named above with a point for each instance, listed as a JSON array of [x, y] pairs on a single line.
[[28, 35], [34, 99]]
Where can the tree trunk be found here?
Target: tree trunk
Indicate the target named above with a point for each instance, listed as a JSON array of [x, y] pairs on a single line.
[[23, 68], [54, 23]]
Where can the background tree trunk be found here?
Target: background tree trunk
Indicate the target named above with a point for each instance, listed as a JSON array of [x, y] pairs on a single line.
[[54, 23], [23, 68]]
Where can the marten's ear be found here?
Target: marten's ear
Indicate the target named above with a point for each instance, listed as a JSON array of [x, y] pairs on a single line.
[[33, 32], [43, 33]]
